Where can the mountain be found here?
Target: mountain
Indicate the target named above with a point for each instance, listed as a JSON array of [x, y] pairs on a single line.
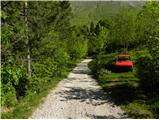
[[86, 11]]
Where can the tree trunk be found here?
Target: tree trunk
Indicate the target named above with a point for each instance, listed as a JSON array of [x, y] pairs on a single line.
[[27, 42], [127, 46]]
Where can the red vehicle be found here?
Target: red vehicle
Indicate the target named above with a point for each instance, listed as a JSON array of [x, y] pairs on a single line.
[[123, 62]]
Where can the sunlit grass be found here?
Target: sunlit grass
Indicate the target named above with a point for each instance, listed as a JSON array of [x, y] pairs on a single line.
[[125, 91]]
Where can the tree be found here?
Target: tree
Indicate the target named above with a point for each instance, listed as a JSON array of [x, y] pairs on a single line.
[[122, 31], [149, 37], [27, 29]]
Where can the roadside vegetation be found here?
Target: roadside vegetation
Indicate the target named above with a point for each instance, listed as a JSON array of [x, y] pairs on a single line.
[[136, 34], [127, 88], [40, 46]]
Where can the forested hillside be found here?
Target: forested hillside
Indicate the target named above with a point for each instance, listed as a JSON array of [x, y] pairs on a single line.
[[85, 12], [43, 41]]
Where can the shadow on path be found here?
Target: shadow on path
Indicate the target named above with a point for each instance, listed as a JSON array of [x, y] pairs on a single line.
[[90, 96]]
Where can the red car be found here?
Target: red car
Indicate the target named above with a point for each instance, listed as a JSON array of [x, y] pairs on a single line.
[[123, 62]]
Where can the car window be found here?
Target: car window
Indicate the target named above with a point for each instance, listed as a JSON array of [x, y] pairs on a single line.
[[123, 58]]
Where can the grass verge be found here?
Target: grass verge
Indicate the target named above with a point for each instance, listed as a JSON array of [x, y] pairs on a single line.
[[125, 91]]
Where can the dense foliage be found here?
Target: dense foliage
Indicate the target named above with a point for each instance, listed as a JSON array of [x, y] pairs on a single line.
[[40, 45], [42, 31], [148, 65], [127, 31], [134, 33]]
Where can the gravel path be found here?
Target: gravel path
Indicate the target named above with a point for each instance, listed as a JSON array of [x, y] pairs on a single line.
[[79, 96]]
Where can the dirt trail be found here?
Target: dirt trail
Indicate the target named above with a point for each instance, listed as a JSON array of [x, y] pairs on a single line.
[[78, 96]]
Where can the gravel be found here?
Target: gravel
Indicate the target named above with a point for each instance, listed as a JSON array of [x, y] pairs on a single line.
[[77, 97]]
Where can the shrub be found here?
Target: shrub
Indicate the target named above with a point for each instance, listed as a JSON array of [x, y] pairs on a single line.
[[61, 59], [103, 75], [8, 95], [147, 74], [14, 81], [102, 62], [36, 85], [92, 66], [78, 48], [135, 110]]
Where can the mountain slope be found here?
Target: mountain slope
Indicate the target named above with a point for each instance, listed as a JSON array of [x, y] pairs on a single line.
[[86, 11]]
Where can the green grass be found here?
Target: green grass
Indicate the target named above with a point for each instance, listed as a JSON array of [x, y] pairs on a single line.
[[124, 90]]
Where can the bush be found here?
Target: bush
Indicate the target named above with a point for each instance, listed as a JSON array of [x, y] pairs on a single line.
[[103, 75], [36, 85], [14, 81], [8, 95], [135, 110], [154, 106], [147, 74], [61, 59], [92, 66], [78, 48], [102, 62]]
